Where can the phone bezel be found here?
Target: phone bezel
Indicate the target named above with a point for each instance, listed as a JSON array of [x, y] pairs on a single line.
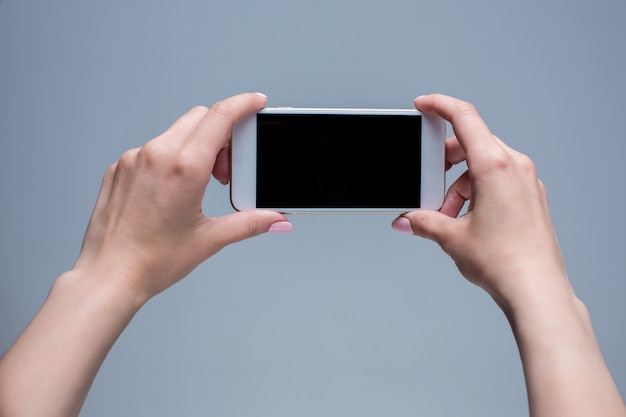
[[244, 151]]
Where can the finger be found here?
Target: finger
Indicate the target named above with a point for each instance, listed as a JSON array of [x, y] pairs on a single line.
[[213, 132], [470, 130], [455, 153], [234, 227], [458, 193], [185, 125], [429, 224], [221, 169]]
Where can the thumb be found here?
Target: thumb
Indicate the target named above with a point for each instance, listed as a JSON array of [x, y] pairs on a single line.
[[241, 225], [428, 224]]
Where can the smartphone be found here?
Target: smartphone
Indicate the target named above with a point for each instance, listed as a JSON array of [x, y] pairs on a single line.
[[299, 160]]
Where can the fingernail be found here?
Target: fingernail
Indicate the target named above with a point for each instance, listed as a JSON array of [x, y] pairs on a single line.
[[402, 225], [261, 94], [280, 227], [417, 98]]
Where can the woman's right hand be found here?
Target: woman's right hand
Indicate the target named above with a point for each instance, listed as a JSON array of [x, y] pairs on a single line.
[[505, 242]]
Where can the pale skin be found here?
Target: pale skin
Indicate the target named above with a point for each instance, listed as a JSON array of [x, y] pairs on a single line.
[[506, 245], [148, 231]]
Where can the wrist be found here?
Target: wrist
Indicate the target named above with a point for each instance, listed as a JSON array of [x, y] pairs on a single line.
[[524, 286], [542, 303], [100, 290]]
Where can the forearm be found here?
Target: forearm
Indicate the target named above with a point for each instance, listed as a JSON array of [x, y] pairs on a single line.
[[50, 367], [564, 369]]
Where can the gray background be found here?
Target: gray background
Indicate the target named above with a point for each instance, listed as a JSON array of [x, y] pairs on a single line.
[[343, 317]]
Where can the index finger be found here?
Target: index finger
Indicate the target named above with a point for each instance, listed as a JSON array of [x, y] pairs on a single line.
[[471, 131], [213, 131]]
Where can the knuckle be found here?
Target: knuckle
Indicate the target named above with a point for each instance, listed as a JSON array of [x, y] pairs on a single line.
[[196, 113], [221, 110], [419, 223], [505, 164], [151, 153], [252, 226], [110, 172], [183, 164], [527, 165], [127, 160], [109, 175], [501, 161], [465, 108], [201, 110], [162, 156], [497, 163]]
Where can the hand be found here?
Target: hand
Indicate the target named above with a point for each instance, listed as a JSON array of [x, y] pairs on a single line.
[[148, 229], [506, 238]]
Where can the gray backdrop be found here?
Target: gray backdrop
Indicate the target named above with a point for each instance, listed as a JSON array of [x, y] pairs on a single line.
[[343, 317]]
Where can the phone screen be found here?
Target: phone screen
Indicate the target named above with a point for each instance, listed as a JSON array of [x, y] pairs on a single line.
[[338, 161]]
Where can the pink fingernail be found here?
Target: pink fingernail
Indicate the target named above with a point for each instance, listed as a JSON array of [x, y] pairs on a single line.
[[402, 225], [280, 227], [417, 98], [261, 94]]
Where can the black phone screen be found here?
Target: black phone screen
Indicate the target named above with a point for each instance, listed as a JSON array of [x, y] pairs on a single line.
[[338, 161]]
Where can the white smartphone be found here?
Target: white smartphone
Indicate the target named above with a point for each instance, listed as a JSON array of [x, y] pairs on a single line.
[[299, 160]]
